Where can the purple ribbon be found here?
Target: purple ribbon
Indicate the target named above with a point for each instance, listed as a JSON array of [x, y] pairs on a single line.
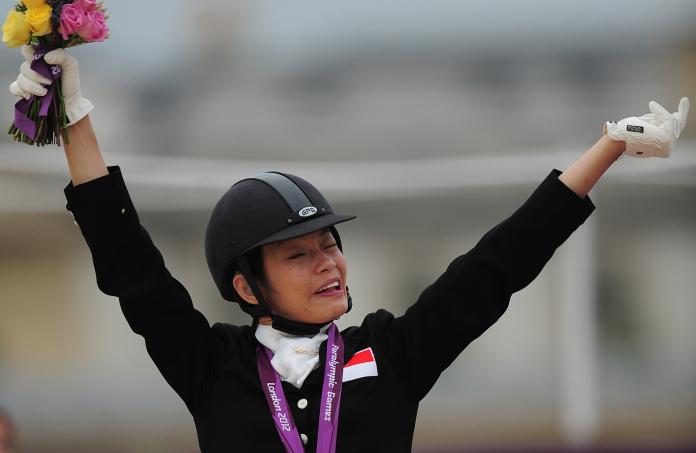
[[330, 396], [52, 72]]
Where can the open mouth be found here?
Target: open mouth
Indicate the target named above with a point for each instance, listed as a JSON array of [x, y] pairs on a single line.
[[332, 289]]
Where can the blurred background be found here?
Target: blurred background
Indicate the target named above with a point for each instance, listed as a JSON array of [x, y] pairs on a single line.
[[432, 121]]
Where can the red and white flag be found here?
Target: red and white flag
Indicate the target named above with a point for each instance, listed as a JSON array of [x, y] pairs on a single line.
[[362, 364]]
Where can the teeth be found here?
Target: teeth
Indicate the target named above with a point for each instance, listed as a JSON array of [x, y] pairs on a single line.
[[328, 286]]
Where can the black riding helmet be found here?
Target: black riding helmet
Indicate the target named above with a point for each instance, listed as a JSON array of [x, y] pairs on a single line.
[[268, 207]]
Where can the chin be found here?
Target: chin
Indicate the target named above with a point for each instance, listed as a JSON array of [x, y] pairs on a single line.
[[337, 308], [341, 309]]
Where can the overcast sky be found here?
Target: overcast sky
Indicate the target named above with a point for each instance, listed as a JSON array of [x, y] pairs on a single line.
[[289, 31]]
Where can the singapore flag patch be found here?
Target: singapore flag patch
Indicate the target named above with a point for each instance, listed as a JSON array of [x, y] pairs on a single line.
[[362, 364]]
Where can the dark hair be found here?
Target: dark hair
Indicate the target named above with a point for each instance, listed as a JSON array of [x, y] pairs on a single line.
[[255, 258]]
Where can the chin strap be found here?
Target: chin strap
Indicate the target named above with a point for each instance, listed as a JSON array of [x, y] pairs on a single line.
[[279, 322], [302, 328]]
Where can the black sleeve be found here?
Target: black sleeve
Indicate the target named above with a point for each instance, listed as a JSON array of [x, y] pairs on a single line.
[[475, 290], [156, 305]]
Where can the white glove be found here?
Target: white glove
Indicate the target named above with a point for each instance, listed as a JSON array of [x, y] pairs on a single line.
[[652, 134], [30, 82]]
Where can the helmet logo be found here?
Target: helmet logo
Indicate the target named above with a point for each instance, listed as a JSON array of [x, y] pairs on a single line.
[[307, 211]]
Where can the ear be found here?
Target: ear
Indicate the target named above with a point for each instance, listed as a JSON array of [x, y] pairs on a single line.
[[240, 285]]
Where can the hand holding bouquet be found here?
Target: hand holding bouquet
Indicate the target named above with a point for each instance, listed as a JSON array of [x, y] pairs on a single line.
[[43, 28]]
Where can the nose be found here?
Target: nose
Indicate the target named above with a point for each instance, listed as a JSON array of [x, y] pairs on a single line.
[[324, 261]]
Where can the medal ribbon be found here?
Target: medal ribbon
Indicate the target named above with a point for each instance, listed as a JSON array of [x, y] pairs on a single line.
[[330, 396], [51, 72]]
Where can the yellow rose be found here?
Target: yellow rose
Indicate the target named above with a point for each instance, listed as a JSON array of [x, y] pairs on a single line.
[[39, 19], [15, 30], [34, 3]]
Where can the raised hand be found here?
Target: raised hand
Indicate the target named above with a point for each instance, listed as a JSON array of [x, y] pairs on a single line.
[[653, 134], [30, 82]]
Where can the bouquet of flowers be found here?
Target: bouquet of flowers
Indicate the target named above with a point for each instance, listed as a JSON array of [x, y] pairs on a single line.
[[46, 25]]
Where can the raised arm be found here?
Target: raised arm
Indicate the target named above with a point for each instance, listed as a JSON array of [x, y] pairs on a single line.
[[582, 175], [127, 264], [85, 160], [476, 288]]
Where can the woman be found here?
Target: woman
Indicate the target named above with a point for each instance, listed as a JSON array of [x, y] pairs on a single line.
[[291, 381]]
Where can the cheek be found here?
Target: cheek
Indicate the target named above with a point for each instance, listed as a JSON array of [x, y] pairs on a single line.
[[342, 265], [295, 281]]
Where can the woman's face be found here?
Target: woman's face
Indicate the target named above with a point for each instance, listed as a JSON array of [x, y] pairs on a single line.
[[296, 269]]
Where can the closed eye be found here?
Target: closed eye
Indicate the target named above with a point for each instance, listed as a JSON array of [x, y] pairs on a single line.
[[298, 255]]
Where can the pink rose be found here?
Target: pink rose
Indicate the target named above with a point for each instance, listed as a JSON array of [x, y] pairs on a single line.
[[71, 18], [93, 28], [87, 5]]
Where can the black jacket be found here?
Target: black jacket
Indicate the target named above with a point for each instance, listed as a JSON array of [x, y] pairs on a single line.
[[214, 369]]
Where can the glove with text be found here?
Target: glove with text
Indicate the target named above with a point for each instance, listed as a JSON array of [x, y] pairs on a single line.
[[653, 134]]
